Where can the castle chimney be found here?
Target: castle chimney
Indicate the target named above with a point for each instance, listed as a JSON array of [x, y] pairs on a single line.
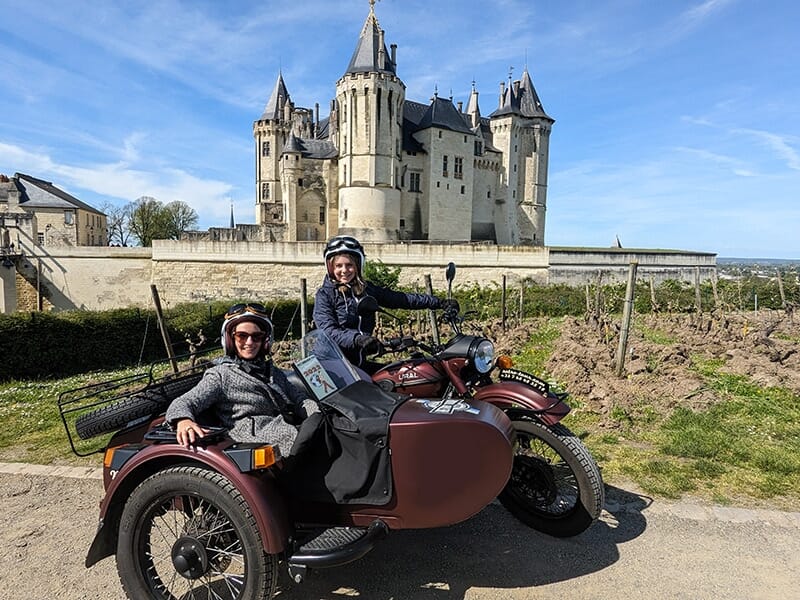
[[394, 54], [460, 106], [381, 51]]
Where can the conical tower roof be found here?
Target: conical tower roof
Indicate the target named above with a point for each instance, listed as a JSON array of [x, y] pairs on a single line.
[[279, 97], [370, 55]]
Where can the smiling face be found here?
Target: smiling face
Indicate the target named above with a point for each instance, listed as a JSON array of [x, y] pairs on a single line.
[[344, 268], [249, 340]]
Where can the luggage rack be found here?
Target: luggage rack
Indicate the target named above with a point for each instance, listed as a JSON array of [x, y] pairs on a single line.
[[148, 393]]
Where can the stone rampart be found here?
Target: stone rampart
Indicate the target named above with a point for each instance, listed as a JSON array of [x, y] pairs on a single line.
[[99, 278]]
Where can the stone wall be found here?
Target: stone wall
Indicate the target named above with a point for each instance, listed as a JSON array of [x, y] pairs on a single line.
[[200, 270]]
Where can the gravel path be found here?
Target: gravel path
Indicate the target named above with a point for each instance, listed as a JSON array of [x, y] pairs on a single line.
[[639, 549]]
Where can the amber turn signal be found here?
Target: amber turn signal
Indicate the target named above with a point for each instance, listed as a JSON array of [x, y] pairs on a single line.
[[264, 457], [504, 362]]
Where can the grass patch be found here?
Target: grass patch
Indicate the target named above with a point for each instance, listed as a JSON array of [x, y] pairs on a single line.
[[32, 428]]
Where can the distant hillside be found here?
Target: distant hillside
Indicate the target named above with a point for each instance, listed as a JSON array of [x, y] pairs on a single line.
[[772, 262]]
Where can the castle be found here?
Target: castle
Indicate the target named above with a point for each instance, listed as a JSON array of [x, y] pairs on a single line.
[[384, 168]]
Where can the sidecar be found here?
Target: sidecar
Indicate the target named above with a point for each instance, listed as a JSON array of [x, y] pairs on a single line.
[[216, 519]]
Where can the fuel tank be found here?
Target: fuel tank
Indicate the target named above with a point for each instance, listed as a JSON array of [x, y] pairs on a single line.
[[418, 377], [449, 460]]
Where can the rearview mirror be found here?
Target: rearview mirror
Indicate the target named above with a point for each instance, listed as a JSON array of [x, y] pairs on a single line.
[[451, 272], [367, 305]]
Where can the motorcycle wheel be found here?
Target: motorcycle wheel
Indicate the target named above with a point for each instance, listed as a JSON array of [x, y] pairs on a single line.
[[555, 486], [187, 532]]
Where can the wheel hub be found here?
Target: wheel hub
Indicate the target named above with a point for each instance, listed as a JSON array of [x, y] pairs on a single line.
[[189, 557], [535, 477]]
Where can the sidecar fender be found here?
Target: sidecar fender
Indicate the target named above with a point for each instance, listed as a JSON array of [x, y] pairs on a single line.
[[259, 491], [506, 395]]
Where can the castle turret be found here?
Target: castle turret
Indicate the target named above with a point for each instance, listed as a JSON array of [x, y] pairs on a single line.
[[521, 131], [271, 132], [369, 100]]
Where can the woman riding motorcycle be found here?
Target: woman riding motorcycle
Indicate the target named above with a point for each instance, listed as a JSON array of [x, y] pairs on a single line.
[[336, 301]]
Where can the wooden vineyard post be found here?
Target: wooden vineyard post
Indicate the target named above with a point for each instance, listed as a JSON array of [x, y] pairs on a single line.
[[163, 328], [622, 348]]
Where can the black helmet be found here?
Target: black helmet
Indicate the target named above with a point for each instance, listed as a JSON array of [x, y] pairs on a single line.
[[345, 244], [238, 313]]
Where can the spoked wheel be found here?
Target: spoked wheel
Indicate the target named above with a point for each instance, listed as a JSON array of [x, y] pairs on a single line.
[[187, 533], [555, 485]]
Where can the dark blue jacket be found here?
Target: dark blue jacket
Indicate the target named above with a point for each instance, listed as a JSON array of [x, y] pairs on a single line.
[[335, 312]]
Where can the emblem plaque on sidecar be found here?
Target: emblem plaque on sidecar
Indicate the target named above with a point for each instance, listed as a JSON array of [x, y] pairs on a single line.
[[448, 407]]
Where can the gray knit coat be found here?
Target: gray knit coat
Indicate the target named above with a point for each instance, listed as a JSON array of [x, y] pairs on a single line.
[[244, 404]]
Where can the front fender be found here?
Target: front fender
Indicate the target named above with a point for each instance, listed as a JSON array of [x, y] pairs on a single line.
[[504, 395], [257, 488]]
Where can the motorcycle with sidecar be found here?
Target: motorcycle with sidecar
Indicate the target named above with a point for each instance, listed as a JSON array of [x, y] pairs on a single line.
[[214, 520]]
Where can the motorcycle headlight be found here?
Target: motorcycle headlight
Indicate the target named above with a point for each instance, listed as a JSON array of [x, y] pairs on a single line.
[[481, 355]]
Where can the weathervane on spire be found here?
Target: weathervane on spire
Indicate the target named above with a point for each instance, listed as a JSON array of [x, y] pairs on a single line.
[[372, 5]]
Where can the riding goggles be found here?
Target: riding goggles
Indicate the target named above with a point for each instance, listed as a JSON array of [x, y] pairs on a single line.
[[344, 242], [255, 308]]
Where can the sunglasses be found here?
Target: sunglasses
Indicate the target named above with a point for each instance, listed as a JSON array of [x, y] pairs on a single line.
[[238, 309], [243, 336]]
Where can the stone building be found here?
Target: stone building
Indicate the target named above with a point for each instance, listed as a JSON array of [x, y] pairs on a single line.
[[48, 215], [385, 168]]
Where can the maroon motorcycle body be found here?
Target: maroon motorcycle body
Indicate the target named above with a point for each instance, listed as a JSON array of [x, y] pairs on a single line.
[[216, 518]]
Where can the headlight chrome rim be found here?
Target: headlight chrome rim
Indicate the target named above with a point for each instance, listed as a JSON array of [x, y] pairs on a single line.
[[481, 355]]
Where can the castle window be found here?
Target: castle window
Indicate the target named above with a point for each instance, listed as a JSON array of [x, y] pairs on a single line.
[[69, 217], [414, 182], [265, 149], [465, 139], [444, 166], [275, 216], [265, 191], [345, 214], [322, 215], [300, 182], [402, 223], [462, 189], [440, 135], [489, 194], [478, 148], [458, 167], [438, 184], [40, 238]]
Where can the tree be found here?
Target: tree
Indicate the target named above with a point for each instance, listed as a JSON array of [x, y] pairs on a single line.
[[178, 217], [146, 220], [117, 221]]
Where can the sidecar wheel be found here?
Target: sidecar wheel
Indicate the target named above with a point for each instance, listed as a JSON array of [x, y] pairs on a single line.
[[142, 404], [186, 532], [555, 485]]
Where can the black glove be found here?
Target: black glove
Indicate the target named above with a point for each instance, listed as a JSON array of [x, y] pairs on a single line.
[[450, 307], [369, 344]]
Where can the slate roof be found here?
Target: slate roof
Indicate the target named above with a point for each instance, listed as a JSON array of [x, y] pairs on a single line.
[[278, 98], [309, 148], [38, 193], [523, 102], [366, 57]]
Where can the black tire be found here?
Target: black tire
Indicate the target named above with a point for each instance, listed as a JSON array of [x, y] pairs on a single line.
[[555, 485], [186, 532], [143, 404]]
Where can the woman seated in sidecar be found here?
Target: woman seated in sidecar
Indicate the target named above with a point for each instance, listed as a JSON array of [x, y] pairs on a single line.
[[244, 392]]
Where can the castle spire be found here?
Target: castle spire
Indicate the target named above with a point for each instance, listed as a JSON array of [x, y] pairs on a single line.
[[371, 55], [279, 97]]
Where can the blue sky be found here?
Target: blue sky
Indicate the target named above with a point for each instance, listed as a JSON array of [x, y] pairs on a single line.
[[677, 122]]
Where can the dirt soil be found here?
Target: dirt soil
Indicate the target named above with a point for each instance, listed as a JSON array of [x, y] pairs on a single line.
[[662, 350], [762, 346]]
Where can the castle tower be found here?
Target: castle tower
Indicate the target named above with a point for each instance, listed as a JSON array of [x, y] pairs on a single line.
[[292, 158], [521, 130], [369, 99], [271, 132]]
